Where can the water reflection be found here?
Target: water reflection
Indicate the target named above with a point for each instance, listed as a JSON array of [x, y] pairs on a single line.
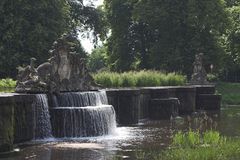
[[146, 136]]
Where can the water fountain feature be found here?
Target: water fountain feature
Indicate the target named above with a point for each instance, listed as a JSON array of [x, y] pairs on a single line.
[[73, 113], [82, 114], [42, 125]]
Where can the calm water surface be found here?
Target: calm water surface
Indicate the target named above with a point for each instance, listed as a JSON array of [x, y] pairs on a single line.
[[147, 136]]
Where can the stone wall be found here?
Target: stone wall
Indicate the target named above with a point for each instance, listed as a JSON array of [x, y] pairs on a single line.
[[6, 123], [161, 99], [24, 118]]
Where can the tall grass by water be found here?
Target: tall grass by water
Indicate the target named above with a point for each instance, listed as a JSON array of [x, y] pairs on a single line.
[[139, 79], [194, 145]]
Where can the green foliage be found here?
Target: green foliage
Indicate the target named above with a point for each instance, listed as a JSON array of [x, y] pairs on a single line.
[[139, 79], [194, 146], [97, 59], [120, 54], [212, 77], [7, 83], [29, 28], [230, 92], [193, 139], [165, 35]]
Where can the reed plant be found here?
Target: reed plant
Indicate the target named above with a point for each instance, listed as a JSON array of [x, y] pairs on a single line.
[[142, 78], [193, 145]]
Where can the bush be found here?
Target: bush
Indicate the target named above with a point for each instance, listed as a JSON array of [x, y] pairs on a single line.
[[139, 79], [212, 77], [7, 83]]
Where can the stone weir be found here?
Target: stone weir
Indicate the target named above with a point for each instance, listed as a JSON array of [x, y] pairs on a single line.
[[158, 103], [26, 117], [82, 114]]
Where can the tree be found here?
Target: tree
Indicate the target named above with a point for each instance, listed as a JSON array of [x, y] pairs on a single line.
[[120, 53], [97, 59], [165, 35], [29, 28]]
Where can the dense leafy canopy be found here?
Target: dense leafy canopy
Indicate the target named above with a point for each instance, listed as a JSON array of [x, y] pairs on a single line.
[[28, 28], [139, 34], [165, 35]]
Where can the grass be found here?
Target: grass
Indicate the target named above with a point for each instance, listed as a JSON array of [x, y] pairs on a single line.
[[7, 85], [139, 79], [192, 145], [230, 93]]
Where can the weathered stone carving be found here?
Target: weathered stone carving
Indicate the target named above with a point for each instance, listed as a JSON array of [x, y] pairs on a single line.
[[64, 71], [29, 79], [199, 75]]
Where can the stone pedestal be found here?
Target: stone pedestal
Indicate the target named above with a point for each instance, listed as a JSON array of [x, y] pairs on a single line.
[[163, 109], [6, 123], [208, 101]]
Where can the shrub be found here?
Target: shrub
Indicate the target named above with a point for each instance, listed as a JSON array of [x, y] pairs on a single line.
[[142, 78], [7, 83], [212, 77]]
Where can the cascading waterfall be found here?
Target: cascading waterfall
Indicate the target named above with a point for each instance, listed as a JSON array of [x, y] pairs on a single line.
[[82, 114], [42, 124]]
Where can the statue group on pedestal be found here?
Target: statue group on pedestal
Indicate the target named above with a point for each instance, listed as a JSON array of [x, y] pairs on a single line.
[[64, 71]]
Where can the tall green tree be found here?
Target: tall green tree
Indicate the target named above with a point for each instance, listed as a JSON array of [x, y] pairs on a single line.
[[120, 52], [28, 28], [165, 35]]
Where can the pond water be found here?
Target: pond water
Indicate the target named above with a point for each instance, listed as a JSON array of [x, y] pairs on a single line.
[[147, 136]]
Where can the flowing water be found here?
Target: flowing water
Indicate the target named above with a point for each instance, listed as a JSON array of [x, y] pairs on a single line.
[[42, 124], [82, 114], [146, 136]]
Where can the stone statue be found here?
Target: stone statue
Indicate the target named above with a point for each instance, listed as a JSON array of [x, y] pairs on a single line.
[[199, 75], [64, 71], [29, 79]]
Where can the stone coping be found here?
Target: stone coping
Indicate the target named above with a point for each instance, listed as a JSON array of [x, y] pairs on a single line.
[[128, 90]]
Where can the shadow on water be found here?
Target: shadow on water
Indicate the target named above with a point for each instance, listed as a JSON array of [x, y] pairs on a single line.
[[146, 136]]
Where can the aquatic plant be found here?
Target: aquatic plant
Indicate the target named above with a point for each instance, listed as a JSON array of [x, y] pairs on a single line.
[[193, 145]]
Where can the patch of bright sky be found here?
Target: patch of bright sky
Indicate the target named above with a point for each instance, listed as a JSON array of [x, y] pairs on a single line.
[[87, 40]]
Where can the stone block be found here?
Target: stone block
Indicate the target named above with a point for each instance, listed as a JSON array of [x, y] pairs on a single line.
[[205, 89], [187, 98], [163, 109], [208, 102], [128, 106]]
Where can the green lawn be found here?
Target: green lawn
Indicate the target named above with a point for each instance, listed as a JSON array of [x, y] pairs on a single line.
[[230, 92]]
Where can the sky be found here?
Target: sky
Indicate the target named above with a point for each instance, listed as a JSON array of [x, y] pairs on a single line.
[[86, 42]]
